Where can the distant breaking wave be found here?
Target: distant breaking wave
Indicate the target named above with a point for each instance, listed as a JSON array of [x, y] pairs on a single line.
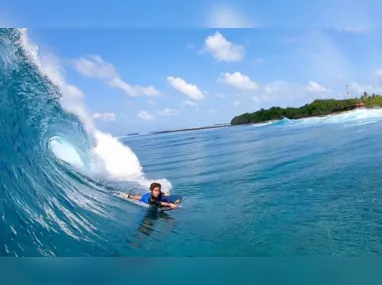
[[354, 117]]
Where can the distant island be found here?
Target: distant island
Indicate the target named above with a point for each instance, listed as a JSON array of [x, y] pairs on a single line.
[[183, 130], [321, 107], [192, 129]]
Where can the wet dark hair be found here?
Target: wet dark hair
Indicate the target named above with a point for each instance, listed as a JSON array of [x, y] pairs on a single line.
[[155, 185]]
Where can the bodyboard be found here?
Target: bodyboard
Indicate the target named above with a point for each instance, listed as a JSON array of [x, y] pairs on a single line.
[[176, 199]]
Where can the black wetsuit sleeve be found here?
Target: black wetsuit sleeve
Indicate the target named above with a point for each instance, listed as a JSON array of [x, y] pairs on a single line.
[[154, 201]]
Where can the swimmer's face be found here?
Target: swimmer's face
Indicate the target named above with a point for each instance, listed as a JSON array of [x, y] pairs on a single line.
[[156, 192]]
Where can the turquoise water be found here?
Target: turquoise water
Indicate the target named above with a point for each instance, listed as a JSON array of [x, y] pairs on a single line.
[[287, 188], [309, 187]]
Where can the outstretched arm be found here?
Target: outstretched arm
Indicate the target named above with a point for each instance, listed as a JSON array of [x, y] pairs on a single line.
[[161, 203], [129, 196], [167, 204]]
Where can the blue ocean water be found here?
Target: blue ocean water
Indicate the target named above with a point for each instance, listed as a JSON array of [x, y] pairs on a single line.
[[286, 188]]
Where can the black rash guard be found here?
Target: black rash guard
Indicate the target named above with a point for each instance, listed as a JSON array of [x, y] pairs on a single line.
[[156, 201]]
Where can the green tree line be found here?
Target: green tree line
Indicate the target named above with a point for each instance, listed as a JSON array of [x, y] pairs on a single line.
[[318, 107]]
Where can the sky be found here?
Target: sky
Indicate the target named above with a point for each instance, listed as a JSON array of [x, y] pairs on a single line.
[[156, 65]]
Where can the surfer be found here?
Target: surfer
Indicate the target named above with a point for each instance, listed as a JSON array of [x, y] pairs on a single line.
[[154, 197]]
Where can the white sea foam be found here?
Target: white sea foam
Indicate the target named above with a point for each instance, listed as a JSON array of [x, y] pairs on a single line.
[[108, 156]]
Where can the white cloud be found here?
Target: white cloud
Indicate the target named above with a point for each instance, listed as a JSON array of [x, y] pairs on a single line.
[[168, 112], [224, 16], [104, 116], [132, 90], [314, 87], [144, 115], [95, 67], [378, 72], [223, 50], [189, 103], [190, 90], [239, 81]]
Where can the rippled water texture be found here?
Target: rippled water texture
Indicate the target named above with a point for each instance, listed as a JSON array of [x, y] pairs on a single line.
[[288, 188]]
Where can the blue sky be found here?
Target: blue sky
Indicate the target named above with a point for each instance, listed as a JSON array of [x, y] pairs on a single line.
[[147, 66]]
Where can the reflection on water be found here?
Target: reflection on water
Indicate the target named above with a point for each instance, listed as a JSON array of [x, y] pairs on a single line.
[[152, 223]]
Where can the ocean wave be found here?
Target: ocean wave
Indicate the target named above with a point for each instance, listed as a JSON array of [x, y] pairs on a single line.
[[356, 117], [57, 167]]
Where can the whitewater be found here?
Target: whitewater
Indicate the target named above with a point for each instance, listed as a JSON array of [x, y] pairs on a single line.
[[284, 188]]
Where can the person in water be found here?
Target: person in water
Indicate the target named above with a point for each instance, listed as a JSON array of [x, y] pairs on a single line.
[[154, 197]]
